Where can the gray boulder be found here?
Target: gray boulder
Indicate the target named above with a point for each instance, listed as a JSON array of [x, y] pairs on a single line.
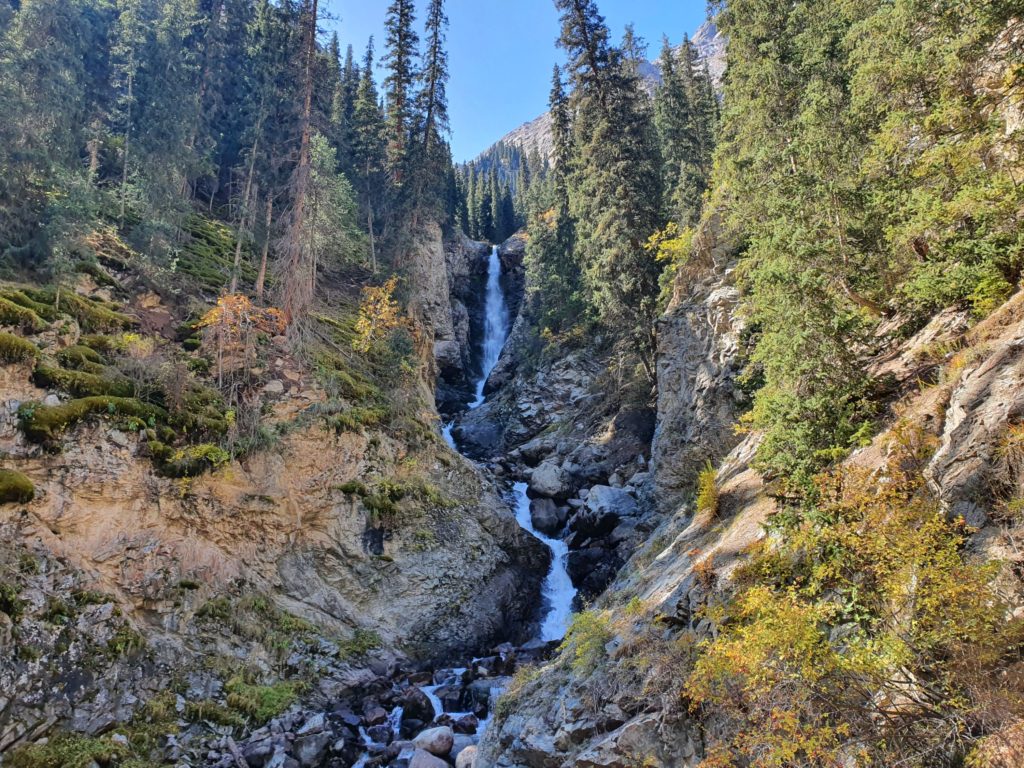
[[436, 741], [547, 517], [549, 480], [423, 759], [604, 500], [466, 758]]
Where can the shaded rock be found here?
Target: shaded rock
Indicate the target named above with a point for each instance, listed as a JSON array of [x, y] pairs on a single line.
[[547, 516], [309, 750], [417, 706], [603, 500]]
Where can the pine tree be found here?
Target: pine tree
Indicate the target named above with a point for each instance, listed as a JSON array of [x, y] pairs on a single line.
[[432, 152], [369, 149], [677, 131], [401, 46], [615, 183]]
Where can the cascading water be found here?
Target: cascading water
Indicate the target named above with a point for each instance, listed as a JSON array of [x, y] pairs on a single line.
[[558, 591], [495, 325]]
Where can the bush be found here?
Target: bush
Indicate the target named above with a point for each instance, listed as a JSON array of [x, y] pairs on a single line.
[[586, 639], [866, 629], [262, 702], [14, 349], [707, 491], [10, 602], [15, 488]]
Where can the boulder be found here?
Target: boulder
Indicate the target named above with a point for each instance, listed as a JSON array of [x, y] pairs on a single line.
[[603, 500], [436, 741], [462, 743], [375, 716], [309, 750], [417, 706], [466, 758], [423, 759], [466, 724], [547, 517], [548, 479]]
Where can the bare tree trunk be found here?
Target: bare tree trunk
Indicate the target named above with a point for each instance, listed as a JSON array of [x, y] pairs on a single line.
[[246, 205], [296, 279], [261, 278], [127, 135]]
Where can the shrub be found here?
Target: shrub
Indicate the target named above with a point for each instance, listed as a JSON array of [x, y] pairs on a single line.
[[586, 639], [14, 349], [10, 602], [15, 488], [923, 635], [190, 461], [707, 491]]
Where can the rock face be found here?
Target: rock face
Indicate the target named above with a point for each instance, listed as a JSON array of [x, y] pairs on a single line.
[[698, 361]]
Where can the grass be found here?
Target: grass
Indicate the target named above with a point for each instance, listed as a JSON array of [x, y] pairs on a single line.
[[67, 751], [262, 702]]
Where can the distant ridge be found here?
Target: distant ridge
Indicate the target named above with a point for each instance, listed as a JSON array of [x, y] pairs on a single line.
[[536, 134]]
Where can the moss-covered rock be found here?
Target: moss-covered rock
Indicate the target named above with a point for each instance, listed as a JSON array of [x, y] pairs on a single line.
[[45, 423], [20, 317], [81, 383], [15, 349], [92, 315], [79, 355], [15, 488]]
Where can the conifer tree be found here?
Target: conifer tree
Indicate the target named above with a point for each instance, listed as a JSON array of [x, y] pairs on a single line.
[[401, 47], [368, 149]]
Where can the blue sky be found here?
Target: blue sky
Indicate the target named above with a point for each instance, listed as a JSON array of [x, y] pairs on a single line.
[[501, 53]]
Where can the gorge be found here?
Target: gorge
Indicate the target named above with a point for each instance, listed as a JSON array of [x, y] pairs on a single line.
[[681, 428]]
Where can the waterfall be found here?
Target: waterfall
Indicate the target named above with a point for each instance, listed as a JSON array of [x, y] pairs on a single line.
[[495, 325], [558, 592]]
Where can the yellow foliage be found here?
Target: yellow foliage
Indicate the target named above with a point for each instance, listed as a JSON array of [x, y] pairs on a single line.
[[235, 315], [379, 315]]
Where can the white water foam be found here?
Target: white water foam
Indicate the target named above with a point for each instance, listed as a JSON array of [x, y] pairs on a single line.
[[495, 325], [558, 591]]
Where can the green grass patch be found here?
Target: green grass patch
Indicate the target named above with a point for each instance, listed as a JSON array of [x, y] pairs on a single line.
[[262, 702], [67, 750]]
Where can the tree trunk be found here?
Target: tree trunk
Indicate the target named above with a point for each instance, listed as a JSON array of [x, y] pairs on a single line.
[[261, 278]]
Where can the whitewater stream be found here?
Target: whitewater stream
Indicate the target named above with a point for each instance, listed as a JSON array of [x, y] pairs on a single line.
[[558, 592]]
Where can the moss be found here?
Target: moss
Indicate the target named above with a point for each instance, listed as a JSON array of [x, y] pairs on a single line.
[[81, 383], [209, 255], [93, 316], [10, 602], [361, 643], [262, 702], [45, 423], [192, 344], [14, 349], [67, 751], [99, 342], [97, 273], [15, 488], [19, 297], [21, 317], [78, 355], [353, 488], [125, 642], [355, 419], [213, 712], [191, 461]]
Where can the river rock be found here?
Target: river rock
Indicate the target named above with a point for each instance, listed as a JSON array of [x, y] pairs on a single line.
[[417, 706], [436, 741], [461, 744], [466, 724], [375, 716], [309, 750], [423, 759], [547, 517], [549, 480], [466, 758], [603, 500]]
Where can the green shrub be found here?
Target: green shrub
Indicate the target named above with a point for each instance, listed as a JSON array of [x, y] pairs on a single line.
[[361, 643], [15, 488], [586, 639], [707, 491], [190, 461], [10, 602], [212, 712], [45, 423], [14, 349]]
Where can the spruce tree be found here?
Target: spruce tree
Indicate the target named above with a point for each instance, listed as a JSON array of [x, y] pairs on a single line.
[[401, 46]]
